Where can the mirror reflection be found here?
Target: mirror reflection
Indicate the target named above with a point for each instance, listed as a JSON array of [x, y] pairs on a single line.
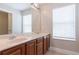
[[5, 23]]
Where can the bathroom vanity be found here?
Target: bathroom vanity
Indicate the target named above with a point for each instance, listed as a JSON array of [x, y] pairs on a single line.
[[35, 44]]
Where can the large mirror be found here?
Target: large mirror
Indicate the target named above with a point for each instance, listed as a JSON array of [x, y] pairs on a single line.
[[15, 19], [5, 23]]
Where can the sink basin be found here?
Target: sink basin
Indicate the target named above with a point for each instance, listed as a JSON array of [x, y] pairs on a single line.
[[4, 40], [17, 39]]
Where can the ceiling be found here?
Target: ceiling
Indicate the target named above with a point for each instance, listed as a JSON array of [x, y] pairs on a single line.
[[58, 5], [18, 6], [24, 6]]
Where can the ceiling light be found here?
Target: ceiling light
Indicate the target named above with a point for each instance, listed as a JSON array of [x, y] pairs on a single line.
[[35, 5]]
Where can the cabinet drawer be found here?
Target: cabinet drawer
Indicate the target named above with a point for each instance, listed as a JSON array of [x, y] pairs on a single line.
[[30, 42], [39, 40]]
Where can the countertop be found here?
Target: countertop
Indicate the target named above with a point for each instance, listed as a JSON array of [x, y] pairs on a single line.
[[6, 42]]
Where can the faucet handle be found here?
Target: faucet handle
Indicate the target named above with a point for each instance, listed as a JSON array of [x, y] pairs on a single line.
[[12, 37]]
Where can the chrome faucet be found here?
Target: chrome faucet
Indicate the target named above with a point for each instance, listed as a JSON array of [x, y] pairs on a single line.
[[12, 37]]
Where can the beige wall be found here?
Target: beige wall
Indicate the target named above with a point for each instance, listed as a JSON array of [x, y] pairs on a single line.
[[3, 23], [42, 22], [46, 18], [42, 19], [36, 20]]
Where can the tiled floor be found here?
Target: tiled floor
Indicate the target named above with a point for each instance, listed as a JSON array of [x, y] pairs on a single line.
[[52, 52]]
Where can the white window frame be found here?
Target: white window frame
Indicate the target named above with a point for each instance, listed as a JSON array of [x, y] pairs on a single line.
[[66, 38]]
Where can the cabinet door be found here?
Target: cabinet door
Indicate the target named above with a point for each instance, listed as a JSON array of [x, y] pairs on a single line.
[[0, 53], [30, 48], [18, 50], [48, 41], [45, 45], [39, 49], [39, 46]]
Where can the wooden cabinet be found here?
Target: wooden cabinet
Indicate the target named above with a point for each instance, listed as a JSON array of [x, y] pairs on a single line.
[[30, 47], [45, 45], [39, 46], [18, 50], [48, 41], [0, 53]]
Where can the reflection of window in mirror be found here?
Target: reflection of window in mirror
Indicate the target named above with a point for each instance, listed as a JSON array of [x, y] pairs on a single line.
[[27, 23]]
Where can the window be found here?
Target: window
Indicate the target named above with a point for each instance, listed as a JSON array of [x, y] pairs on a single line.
[[64, 22], [27, 23]]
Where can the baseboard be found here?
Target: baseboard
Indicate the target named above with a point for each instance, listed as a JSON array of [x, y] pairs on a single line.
[[67, 52]]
